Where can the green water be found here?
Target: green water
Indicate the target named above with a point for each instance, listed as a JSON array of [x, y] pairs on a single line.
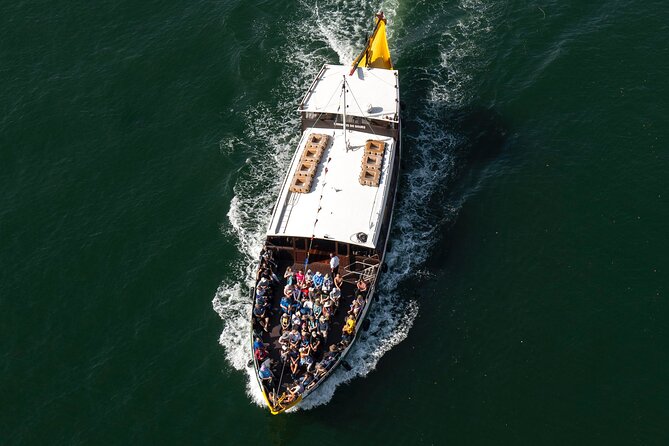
[[527, 299]]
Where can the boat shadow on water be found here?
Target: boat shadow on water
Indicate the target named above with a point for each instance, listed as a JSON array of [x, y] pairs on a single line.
[[477, 141]]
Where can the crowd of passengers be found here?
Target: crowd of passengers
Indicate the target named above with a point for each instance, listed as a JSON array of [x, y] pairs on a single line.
[[308, 305]]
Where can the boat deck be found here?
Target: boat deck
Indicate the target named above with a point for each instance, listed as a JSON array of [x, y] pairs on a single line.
[[282, 377]]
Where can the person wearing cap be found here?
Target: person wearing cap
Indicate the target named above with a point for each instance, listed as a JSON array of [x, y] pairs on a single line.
[[318, 279], [335, 295], [296, 321], [284, 339], [265, 372], [334, 264], [307, 307], [327, 284]]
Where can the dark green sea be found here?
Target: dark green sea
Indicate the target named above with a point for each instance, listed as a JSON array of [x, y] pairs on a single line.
[[141, 148]]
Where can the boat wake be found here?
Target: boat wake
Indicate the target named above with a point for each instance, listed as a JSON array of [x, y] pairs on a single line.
[[269, 140]]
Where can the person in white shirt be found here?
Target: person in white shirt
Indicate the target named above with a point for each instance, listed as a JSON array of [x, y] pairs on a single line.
[[334, 264]]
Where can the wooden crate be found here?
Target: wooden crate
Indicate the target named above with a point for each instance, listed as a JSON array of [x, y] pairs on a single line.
[[375, 147], [371, 161], [370, 177], [301, 184]]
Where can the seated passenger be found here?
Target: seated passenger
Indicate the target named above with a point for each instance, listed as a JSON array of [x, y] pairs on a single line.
[[323, 327], [261, 290], [354, 309], [335, 295], [306, 341], [264, 282], [338, 281], [307, 361], [305, 330], [361, 300], [310, 323], [296, 390], [274, 278], [258, 343], [329, 358], [320, 370], [348, 332], [262, 316], [318, 308], [286, 304], [260, 354], [294, 338], [362, 286], [308, 381], [349, 328], [265, 373], [318, 279], [295, 308], [315, 342], [307, 307], [288, 276], [266, 254], [327, 284], [296, 321], [299, 277], [327, 308], [294, 358], [284, 340], [262, 300], [285, 321]]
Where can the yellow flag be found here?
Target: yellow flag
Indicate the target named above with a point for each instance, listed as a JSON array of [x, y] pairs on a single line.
[[377, 54]]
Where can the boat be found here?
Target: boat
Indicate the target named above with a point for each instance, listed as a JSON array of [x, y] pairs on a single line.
[[326, 241]]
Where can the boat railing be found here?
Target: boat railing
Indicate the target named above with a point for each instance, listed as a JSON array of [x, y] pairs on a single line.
[[365, 270]]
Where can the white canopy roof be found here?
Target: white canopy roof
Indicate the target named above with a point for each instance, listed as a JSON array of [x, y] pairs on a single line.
[[372, 93], [338, 206]]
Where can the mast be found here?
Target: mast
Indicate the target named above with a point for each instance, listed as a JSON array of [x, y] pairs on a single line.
[[343, 86]]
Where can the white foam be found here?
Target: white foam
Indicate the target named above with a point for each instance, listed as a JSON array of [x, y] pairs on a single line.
[[341, 26]]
